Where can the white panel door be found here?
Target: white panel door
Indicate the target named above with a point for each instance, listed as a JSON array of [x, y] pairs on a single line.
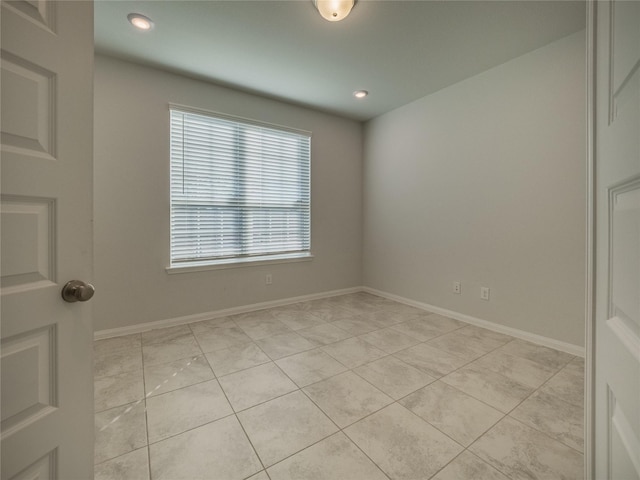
[[617, 223], [46, 211]]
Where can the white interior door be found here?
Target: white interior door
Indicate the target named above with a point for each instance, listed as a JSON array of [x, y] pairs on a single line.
[[617, 223], [46, 211]]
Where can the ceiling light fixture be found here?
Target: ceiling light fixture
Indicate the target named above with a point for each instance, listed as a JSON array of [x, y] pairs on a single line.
[[360, 93], [334, 10], [140, 21]]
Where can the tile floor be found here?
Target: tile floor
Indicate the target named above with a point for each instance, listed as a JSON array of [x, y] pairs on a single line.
[[350, 387]]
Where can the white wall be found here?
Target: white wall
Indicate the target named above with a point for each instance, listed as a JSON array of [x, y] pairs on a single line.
[[132, 201], [484, 182]]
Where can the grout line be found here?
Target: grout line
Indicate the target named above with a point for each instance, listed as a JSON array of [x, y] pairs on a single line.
[[340, 430], [144, 398], [546, 435], [146, 416], [265, 401], [433, 426], [534, 391], [145, 447], [243, 430], [192, 428], [501, 469], [175, 373], [299, 389]]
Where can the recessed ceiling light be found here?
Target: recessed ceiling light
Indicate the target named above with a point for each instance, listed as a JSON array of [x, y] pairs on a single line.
[[360, 93], [140, 21]]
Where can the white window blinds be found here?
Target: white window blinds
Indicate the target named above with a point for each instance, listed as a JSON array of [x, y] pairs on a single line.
[[237, 189]]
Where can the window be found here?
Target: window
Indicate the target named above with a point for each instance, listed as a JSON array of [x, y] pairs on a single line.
[[239, 190]]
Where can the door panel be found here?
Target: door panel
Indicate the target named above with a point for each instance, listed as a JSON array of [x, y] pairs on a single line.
[[46, 363], [617, 196]]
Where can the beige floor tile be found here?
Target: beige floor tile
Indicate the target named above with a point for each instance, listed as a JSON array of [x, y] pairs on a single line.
[[346, 398], [425, 327], [116, 390], [234, 359], [575, 368], [330, 313], [566, 385], [189, 407], [467, 466], [403, 309], [300, 306], [180, 373], [324, 334], [443, 321], [389, 340], [357, 304], [284, 426], [360, 308], [356, 325], [453, 412], [221, 447], [284, 344], [430, 360], [259, 476], [463, 346], [524, 453], [520, 369], [212, 324], [385, 318], [266, 327], [401, 444], [119, 430], [498, 391], [553, 416], [310, 367], [296, 319], [372, 298], [577, 365], [378, 300], [394, 377], [113, 356], [256, 316], [184, 346], [334, 458], [353, 352], [537, 353], [166, 335], [255, 385], [130, 466], [483, 334], [220, 338]]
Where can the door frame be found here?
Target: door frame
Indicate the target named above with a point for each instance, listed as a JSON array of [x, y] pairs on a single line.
[[590, 354]]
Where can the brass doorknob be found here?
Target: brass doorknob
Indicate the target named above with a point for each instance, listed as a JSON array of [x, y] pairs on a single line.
[[77, 291]]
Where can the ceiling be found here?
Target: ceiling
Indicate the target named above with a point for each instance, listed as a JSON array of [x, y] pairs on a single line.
[[397, 50]]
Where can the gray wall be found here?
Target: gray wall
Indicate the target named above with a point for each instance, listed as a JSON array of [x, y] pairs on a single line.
[[132, 201], [484, 183]]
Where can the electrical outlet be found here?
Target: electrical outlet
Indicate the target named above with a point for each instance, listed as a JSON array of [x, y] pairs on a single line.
[[484, 293], [268, 279], [457, 288]]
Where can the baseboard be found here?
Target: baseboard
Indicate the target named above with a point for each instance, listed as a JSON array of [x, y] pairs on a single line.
[[172, 322], [514, 332]]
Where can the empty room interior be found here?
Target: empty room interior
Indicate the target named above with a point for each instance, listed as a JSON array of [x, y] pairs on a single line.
[[297, 282]]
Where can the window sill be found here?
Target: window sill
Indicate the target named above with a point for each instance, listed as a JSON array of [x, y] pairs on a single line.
[[238, 262]]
